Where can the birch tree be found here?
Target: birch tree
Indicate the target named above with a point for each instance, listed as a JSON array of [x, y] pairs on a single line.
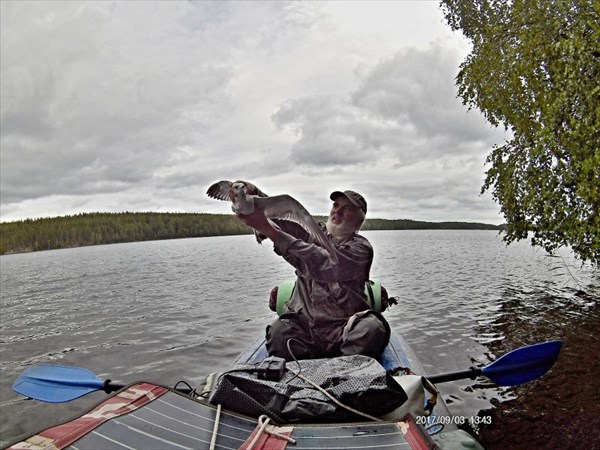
[[534, 68]]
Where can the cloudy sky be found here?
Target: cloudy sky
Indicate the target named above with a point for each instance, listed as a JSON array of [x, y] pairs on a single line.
[[140, 106]]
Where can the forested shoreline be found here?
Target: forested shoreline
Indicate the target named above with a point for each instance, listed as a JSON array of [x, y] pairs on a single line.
[[107, 228]]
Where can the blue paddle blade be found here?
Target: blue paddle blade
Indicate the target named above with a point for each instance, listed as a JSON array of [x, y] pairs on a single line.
[[56, 384], [523, 364]]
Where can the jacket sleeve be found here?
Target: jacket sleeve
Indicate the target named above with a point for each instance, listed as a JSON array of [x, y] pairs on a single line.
[[354, 258]]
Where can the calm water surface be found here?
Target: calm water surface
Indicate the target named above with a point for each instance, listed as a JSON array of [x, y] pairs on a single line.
[[177, 310]]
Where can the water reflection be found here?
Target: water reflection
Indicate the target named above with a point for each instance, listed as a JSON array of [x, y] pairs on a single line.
[[535, 314]]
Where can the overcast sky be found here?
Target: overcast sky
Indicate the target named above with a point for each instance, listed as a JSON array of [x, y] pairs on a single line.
[[140, 106]]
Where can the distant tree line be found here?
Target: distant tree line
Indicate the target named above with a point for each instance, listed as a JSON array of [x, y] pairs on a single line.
[[406, 224], [108, 228]]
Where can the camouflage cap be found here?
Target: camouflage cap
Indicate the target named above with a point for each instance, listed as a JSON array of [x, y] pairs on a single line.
[[355, 198]]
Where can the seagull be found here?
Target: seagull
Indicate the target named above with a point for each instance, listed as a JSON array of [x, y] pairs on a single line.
[[246, 198]]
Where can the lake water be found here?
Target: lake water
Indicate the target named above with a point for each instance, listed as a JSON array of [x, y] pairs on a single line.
[[178, 310]]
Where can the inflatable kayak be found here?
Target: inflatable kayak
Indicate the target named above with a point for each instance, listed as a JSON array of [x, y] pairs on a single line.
[[391, 408]]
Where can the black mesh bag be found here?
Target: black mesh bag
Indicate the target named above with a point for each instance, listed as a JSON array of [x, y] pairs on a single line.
[[358, 382]]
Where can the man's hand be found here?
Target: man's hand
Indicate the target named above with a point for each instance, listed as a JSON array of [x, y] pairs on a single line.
[[260, 223]]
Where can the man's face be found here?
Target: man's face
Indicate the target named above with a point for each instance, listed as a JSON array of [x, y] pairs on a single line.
[[344, 218]]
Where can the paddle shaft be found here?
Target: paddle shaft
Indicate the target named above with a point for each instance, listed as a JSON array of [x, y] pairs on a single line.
[[472, 373], [109, 387]]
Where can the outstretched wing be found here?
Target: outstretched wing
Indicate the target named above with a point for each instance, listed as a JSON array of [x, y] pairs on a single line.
[[288, 208], [220, 190]]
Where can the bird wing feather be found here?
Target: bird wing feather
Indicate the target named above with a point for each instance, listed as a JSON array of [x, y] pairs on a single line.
[[220, 190], [288, 208]]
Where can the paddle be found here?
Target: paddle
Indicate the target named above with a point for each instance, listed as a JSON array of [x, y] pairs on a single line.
[[57, 384], [516, 367]]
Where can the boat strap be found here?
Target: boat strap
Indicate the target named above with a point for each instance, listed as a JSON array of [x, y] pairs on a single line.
[[268, 437]]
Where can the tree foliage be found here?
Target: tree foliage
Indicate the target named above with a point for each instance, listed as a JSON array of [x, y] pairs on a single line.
[[534, 68], [108, 228]]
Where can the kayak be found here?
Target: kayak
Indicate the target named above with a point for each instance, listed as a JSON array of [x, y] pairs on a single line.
[[144, 415], [399, 412]]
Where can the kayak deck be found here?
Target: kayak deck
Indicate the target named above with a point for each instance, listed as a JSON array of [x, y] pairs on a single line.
[[148, 416]]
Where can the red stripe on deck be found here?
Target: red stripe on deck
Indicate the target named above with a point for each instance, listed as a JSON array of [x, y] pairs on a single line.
[[415, 434]]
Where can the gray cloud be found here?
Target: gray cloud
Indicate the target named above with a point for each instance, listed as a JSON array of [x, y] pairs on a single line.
[[141, 105], [327, 132], [99, 106], [416, 87], [405, 106]]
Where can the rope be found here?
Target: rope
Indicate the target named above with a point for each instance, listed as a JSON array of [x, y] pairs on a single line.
[[294, 356], [327, 394], [213, 440], [263, 421], [335, 400]]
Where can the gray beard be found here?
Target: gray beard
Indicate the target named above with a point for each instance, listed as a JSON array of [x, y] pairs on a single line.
[[341, 231]]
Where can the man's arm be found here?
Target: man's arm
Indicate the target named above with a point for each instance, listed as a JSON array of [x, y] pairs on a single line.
[[260, 223], [354, 258]]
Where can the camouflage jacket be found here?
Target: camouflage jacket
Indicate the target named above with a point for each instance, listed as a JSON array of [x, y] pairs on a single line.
[[326, 293]]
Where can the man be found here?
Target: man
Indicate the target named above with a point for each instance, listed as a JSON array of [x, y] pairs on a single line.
[[327, 314]]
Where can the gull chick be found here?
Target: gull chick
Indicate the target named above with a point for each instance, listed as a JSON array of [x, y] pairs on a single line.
[[246, 199]]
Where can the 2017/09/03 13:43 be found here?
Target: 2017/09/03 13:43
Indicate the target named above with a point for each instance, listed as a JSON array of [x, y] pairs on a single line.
[[457, 420]]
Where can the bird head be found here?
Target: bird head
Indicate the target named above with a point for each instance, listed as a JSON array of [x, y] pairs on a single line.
[[238, 190]]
